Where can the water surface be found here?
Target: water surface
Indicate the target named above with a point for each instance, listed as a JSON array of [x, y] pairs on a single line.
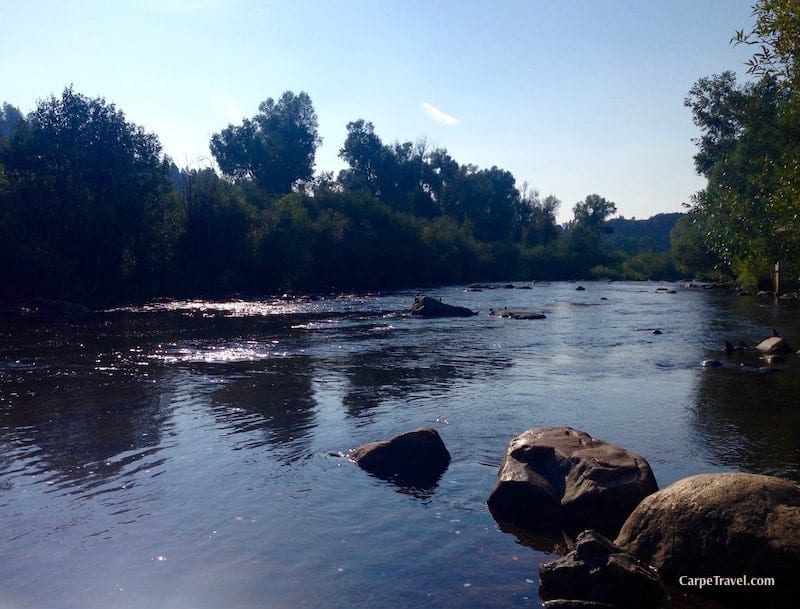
[[184, 454]]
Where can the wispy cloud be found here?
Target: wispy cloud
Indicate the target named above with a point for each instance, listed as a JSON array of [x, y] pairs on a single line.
[[439, 116]]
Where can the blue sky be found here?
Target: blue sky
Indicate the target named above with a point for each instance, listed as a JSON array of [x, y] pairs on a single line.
[[572, 96]]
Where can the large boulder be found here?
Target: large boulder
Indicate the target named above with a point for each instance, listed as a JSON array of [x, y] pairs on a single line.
[[706, 531], [417, 457], [562, 476], [598, 574], [426, 306]]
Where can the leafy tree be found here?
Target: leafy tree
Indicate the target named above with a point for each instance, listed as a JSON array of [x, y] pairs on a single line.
[[215, 247], [584, 242], [490, 201], [88, 207], [364, 151], [537, 221], [275, 148], [399, 175], [593, 212], [10, 117], [690, 252], [749, 150], [776, 34]]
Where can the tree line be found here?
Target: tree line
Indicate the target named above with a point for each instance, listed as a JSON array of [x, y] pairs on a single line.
[[91, 210], [747, 218]]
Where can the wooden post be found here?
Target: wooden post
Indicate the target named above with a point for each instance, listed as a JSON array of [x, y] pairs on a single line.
[[777, 278]]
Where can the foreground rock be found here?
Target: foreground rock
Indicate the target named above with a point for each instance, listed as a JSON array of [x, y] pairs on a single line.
[[425, 306], [516, 314], [562, 476], [417, 457], [729, 525], [598, 574]]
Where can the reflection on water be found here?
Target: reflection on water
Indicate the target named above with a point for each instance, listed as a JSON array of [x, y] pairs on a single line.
[[275, 399], [750, 419], [180, 454]]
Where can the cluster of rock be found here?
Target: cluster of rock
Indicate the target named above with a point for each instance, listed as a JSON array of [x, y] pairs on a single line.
[[428, 307], [479, 287], [772, 350], [732, 536]]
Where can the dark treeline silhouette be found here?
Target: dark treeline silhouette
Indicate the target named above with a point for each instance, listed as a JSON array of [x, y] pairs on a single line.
[[91, 210]]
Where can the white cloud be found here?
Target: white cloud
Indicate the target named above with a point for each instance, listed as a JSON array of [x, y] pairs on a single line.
[[439, 116]]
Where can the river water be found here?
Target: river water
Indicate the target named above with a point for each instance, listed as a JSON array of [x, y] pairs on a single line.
[[186, 454]]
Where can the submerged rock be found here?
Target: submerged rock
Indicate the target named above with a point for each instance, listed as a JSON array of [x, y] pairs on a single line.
[[417, 457], [516, 314], [725, 525], [425, 306], [45, 307], [598, 574], [562, 476]]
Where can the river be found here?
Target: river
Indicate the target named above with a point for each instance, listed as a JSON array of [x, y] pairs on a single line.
[[187, 454]]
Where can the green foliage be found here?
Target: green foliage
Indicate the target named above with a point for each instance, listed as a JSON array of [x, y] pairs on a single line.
[[776, 36], [275, 148], [637, 236], [691, 254], [593, 212], [749, 150], [88, 210], [215, 247], [10, 117]]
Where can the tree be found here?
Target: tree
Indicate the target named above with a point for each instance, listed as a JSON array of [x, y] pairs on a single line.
[[537, 222], [275, 148], [399, 175], [10, 117], [364, 151], [749, 150], [584, 243], [215, 247], [593, 212], [776, 34], [88, 207], [690, 253]]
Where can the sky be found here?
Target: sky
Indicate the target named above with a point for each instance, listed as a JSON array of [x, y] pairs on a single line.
[[573, 97]]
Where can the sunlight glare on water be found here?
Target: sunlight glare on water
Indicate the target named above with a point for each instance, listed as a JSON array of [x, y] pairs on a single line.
[[188, 454]]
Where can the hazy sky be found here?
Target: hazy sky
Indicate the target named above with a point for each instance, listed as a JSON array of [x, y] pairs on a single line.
[[572, 96]]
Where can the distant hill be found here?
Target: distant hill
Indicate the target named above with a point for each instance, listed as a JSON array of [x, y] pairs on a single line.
[[637, 236]]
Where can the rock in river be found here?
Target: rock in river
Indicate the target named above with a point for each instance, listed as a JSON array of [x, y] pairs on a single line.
[[774, 345], [425, 306], [516, 314], [562, 476], [417, 457], [725, 525], [598, 574]]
